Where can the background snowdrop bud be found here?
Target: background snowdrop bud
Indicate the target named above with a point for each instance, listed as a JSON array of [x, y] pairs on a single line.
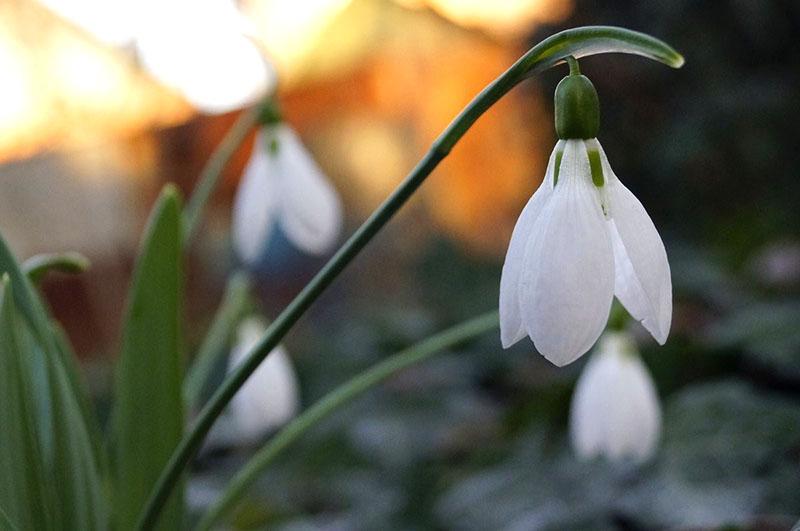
[[615, 410], [582, 239], [283, 187], [270, 397]]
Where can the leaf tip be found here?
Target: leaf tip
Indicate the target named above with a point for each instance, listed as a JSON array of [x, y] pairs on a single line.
[[170, 194]]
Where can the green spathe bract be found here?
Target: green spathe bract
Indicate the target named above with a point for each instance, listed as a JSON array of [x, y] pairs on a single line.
[[578, 42]]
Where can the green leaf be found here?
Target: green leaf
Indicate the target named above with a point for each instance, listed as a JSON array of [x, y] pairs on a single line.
[[36, 267], [219, 336], [23, 478], [38, 317], [60, 410], [148, 414], [95, 433], [74, 468]]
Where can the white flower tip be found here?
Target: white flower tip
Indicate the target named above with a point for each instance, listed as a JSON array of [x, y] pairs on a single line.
[[510, 333], [661, 337], [561, 358]]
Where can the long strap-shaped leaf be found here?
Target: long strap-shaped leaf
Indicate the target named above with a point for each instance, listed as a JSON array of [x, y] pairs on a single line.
[[578, 42], [23, 480], [65, 429], [148, 414]]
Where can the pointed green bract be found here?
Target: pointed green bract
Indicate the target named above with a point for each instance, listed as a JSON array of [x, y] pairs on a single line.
[[148, 414], [593, 40]]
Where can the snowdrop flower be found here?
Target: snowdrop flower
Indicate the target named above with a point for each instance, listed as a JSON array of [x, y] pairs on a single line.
[[282, 185], [615, 410], [582, 238], [270, 397]]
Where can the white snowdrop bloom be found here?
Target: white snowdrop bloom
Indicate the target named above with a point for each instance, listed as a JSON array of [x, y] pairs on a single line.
[[615, 409], [283, 185], [270, 397], [582, 238]]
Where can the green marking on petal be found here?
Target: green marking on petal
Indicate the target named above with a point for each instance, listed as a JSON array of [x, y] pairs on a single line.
[[559, 156], [597, 167]]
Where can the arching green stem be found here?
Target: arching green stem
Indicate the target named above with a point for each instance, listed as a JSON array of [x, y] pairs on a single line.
[[337, 399], [210, 176], [574, 68], [578, 42]]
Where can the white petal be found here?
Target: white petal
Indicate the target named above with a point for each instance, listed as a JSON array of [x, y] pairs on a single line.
[[254, 208], [270, 397], [643, 283], [615, 409], [511, 327], [568, 269], [311, 213]]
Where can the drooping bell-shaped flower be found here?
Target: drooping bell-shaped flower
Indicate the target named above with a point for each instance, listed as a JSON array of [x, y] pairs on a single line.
[[582, 238], [615, 410], [283, 186], [270, 397]]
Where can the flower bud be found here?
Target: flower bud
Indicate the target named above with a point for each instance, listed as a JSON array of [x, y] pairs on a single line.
[[577, 108]]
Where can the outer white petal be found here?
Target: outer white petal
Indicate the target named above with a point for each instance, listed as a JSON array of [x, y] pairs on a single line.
[[615, 410], [270, 396], [511, 327], [255, 205], [311, 213], [568, 269], [643, 283]]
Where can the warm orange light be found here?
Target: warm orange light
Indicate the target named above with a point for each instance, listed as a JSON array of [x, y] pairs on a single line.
[[16, 90], [292, 30], [509, 18], [62, 89]]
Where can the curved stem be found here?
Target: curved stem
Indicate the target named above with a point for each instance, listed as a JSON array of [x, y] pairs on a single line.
[[212, 171], [574, 68], [578, 42], [335, 400]]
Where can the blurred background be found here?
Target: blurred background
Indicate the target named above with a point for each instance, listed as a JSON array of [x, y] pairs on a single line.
[[101, 103]]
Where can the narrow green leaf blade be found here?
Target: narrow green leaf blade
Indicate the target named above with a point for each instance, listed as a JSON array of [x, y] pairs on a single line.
[[36, 267], [30, 305], [148, 416], [23, 481], [59, 398], [74, 468], [230, 312]]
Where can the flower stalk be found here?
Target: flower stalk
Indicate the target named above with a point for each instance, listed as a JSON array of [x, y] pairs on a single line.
[[577, 42]]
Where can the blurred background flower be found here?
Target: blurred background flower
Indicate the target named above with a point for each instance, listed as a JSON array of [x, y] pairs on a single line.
[[91, 126]]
